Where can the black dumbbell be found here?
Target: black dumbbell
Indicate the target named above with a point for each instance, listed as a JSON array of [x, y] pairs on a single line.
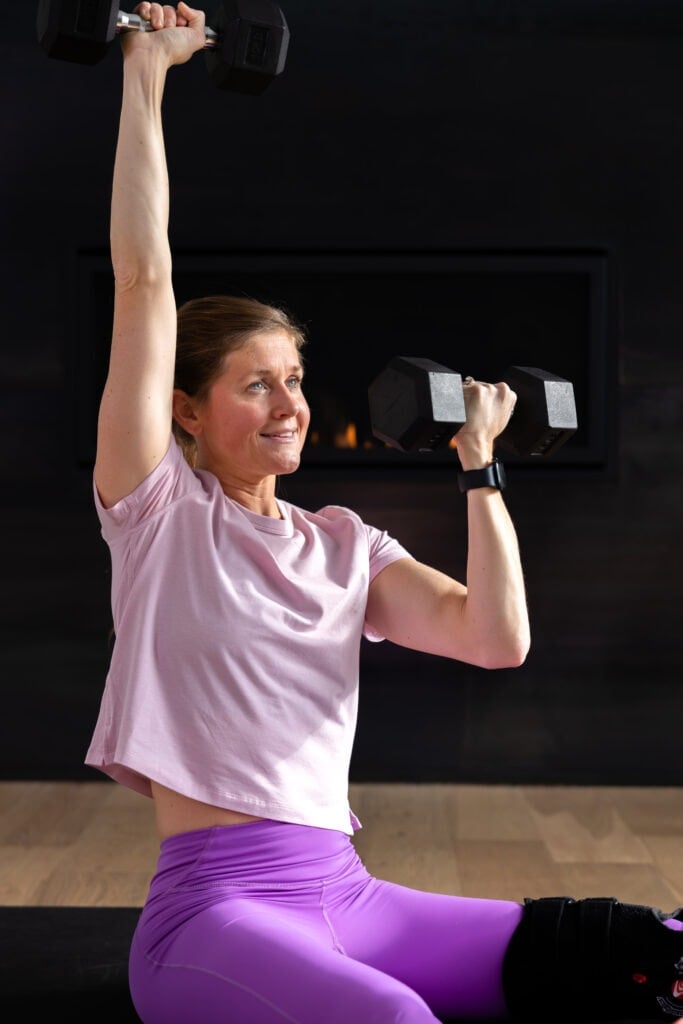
[[417, 405], [245, 48]]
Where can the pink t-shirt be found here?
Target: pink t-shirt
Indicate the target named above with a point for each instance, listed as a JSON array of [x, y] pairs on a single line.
[[234, 674]]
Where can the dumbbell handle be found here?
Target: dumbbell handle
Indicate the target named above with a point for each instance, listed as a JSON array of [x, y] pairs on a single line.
[[134, 23]]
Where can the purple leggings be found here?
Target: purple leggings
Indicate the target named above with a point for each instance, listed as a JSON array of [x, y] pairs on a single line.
[[266, 923]]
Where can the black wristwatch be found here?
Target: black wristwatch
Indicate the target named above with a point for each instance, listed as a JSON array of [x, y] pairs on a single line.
[[490, 476]]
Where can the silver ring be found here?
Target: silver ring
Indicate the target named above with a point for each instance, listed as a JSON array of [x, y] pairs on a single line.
[[468, 380]]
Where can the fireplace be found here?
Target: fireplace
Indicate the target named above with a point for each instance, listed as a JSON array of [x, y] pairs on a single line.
[[476, 312]]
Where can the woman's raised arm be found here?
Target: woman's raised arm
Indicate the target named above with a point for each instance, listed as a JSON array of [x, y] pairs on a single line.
[[134, 426]]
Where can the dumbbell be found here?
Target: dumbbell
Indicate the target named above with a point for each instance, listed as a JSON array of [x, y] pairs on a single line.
[[417, 405], [245, 48]]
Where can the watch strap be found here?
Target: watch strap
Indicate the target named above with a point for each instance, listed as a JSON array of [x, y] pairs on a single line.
[[489, 476]]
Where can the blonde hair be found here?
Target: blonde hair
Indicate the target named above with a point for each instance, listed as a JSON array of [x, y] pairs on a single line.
[[208, 329]]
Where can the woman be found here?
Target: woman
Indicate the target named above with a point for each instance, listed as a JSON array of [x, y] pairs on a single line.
[[232, 691]]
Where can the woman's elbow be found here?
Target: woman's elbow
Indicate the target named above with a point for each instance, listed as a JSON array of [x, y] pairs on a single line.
[[514, 659], [510, 653]]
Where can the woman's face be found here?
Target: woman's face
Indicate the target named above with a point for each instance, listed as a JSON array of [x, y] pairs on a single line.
[[254, 420]]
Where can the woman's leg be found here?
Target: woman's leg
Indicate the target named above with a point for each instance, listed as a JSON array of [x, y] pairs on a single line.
[[265, 923], [449, 949], [239, 963], [592, 959]]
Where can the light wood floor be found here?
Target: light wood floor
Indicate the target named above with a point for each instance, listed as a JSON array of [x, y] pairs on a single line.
[[94, 844]]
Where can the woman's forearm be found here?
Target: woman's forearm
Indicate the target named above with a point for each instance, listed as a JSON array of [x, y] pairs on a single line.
[[139, 209], [495, 607]]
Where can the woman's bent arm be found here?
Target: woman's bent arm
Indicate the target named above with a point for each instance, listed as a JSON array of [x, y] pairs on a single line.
[[486, 622]]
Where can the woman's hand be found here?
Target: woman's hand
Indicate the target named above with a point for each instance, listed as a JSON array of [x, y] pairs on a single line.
[[178, 32], [488, 408]]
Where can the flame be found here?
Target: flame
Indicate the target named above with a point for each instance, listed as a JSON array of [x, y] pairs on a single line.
[[347, 438]]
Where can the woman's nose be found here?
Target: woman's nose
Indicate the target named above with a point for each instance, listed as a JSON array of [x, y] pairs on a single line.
[[287, 401]]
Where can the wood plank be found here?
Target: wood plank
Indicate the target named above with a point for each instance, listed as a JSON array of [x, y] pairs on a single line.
[[409, 837], [48, 813], [668, 859], [629, 883], [507, 869], [584, 826]]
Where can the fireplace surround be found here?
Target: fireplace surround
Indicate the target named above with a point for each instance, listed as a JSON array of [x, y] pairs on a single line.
[[476, 311]]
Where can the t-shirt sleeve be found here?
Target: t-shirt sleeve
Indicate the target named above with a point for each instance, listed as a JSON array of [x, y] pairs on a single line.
[[384, 550], [170, 480]]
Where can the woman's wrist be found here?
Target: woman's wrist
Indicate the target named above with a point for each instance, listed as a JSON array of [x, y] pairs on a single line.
[[475, 453], [146, 60]]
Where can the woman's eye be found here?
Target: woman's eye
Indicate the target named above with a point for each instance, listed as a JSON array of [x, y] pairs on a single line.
[[293, 383]]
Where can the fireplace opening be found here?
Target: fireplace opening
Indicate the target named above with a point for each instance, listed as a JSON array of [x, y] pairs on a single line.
[[475, 312]]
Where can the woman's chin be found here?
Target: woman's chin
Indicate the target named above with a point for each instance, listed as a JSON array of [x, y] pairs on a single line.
[[283, 462], [289, 465]]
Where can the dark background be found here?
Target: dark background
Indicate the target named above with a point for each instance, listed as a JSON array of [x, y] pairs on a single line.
[[398, 126]]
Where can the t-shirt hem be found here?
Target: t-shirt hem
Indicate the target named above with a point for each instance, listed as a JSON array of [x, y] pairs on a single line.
[[131, 778]]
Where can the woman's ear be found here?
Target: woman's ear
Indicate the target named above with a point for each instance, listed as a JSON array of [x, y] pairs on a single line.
[[184, 413]]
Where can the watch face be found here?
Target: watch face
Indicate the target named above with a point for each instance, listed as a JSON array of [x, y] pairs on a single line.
[[499, 471]]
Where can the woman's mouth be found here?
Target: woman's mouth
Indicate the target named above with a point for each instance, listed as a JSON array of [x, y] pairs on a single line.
[[281, 435]]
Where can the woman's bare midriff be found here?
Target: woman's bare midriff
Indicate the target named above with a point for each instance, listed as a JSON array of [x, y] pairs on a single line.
[[176, 813]]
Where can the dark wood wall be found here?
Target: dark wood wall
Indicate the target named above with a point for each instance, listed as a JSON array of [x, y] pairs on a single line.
[[409, 124]]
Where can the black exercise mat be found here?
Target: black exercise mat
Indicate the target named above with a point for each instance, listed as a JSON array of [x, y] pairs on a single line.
[[71, 963], [68, 959]]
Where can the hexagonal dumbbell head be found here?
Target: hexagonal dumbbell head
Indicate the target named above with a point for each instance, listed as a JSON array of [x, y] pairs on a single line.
[[75, 31], [416, 405], [545, 413], [252, 45]]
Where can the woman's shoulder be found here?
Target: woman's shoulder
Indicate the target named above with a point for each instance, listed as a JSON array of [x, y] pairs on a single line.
[[170, 480], [336, 512]]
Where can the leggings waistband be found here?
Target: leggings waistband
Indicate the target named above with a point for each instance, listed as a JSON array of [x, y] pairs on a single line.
[[271, 853]]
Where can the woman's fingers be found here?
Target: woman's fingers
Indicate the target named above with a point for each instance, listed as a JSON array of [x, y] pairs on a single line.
[[164, 15], [489, 408]]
